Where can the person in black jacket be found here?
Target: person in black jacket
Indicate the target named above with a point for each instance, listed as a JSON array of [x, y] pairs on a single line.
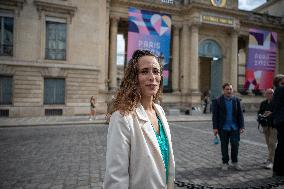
[[278, 123], [269, 132], [228, 123], [92, 108]]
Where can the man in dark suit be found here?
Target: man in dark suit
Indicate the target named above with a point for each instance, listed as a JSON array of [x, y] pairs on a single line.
[[278, 123], [228, 123]]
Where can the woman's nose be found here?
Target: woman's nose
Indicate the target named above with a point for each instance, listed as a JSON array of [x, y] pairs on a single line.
[[151, 75]]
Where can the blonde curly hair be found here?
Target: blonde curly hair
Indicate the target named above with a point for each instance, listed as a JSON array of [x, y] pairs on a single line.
[[129, 94]]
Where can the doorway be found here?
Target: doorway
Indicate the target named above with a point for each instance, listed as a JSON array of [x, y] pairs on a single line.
[[205, 74], [210, 59]]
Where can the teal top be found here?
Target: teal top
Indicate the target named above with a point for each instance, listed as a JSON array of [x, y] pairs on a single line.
[[164, 145]]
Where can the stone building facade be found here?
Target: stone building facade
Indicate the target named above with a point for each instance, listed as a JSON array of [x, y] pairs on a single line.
[[272, 7], [56, 54]]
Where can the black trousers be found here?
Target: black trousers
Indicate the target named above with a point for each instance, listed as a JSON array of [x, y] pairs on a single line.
[[234, 138], [278, 166]]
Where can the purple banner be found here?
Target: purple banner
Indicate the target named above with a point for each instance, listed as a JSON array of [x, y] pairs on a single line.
[[261, 59]]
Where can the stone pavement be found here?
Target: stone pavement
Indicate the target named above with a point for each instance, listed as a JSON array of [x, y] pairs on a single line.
[[84, 120], [73, 156]]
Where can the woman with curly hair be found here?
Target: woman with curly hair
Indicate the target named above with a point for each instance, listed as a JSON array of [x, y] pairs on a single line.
[[139, 147]]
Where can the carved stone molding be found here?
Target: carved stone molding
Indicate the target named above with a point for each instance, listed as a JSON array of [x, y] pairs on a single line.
[[177, 26], [53, 72], [43, 6], [195, 22], [151, 5], [7, 70], [13, 3], [16, 5], [114, 19]]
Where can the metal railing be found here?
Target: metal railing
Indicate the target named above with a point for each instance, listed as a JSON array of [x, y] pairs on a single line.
[[55, 54], [165, 2], [4, 113], [168, 1], [53, 112]]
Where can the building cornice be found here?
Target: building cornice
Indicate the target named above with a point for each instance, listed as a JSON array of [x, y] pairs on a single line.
[[15, 5], [263, 20], [162, 7], [265, 5], [176, 9], [205, 7], [54, 7], [39, 64]]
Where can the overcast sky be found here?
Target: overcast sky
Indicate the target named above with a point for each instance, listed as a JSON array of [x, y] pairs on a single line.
[[250, 4]]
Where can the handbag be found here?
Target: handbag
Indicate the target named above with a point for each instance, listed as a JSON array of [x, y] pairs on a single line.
[[262, 120], [216, 140]]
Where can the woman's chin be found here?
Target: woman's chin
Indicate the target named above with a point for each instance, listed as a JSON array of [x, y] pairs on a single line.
[[150, 94]]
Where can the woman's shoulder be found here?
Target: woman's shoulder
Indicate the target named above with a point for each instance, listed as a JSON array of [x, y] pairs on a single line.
[[118, 118], [118, 114]]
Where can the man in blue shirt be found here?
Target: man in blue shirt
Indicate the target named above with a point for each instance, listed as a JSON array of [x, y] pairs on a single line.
[[228, 123]]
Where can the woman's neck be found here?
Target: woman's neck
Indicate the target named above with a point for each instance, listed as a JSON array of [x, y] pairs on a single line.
[[147, 104]]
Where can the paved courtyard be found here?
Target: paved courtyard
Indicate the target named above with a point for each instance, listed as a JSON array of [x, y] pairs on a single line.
[[74, 156]]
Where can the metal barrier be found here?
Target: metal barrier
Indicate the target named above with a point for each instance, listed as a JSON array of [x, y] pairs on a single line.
[[275, 184]]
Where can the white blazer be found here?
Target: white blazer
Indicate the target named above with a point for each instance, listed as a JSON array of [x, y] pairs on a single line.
[[133, 158]]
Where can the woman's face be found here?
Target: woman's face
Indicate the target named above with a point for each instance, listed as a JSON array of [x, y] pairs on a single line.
[[149, 76]]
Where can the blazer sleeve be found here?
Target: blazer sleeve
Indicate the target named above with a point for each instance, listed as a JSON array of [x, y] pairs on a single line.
[[215, 114], [118, 152], [240, 114]]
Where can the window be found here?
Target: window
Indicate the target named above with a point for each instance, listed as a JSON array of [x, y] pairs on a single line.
[[54, 91], [5, 90], [55, 39], [6, 35]]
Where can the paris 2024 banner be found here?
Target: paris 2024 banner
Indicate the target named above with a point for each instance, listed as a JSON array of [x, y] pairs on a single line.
[[150, 31], [261, 60]]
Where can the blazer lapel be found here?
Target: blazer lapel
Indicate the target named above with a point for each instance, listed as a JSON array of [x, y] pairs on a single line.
[[146, 126]]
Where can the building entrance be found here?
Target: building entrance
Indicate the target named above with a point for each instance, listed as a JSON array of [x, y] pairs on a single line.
[[210, 58]]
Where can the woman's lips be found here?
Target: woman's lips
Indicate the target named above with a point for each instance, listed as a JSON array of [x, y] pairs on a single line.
[[152, 85]]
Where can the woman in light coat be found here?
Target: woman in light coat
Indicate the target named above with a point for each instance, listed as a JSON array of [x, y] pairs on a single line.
[[139, 145]]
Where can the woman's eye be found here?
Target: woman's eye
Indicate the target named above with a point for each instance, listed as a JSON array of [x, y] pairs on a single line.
[[156, 72], [144, 72], [147, 71]]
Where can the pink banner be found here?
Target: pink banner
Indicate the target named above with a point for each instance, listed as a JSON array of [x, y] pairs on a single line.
[[261, 60], [152, 31]]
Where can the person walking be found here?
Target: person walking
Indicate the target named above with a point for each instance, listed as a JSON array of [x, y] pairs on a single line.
[[205, 101], [278, 123], [139, 145], [228, 123], [92, 108], [270, 133]]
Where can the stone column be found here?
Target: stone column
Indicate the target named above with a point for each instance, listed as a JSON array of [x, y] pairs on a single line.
[[175, 53], [234, 60], [194, 63], [112, 52], [184, 76]]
